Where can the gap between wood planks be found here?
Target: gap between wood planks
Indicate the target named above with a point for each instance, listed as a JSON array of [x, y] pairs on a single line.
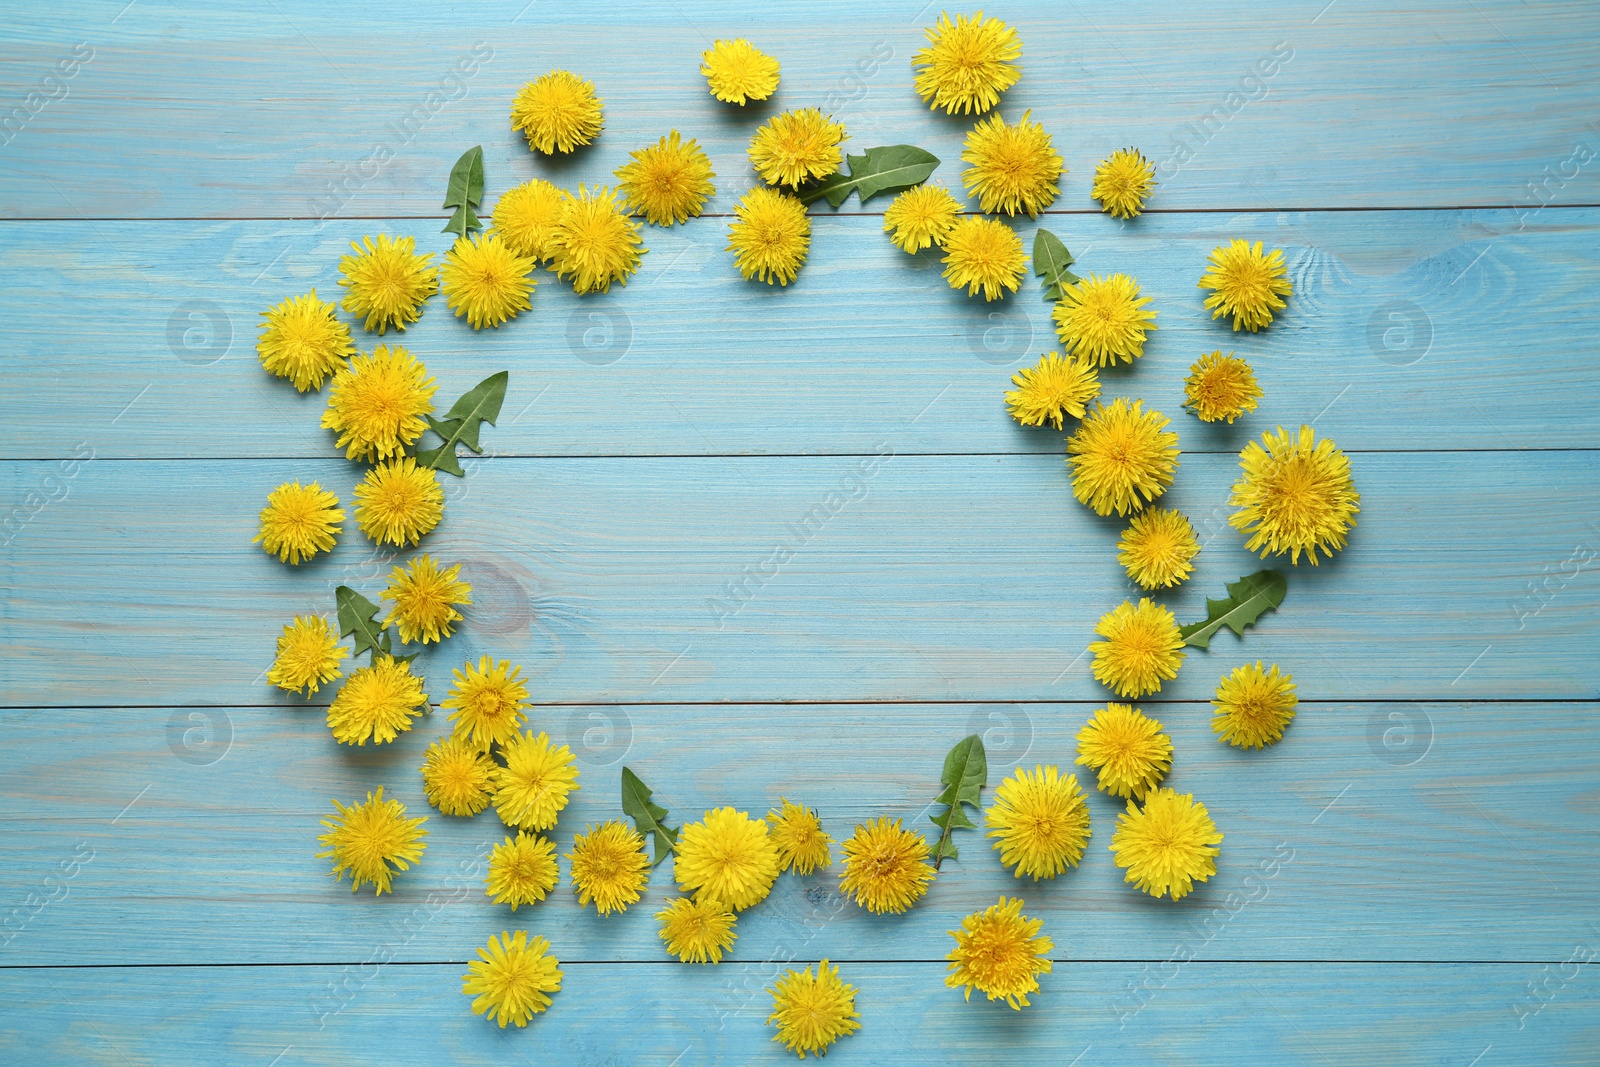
[[566, 456], [818, 215], [757, 963], [837, 702]]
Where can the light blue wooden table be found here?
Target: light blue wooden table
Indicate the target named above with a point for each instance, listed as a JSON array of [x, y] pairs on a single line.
[[1431, 820]]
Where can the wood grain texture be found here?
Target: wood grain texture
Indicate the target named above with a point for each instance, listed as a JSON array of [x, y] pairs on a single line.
[[1381, 820], [280, 111], [1208, 1015], [1407, 330], [1409, 877], [911, 578]]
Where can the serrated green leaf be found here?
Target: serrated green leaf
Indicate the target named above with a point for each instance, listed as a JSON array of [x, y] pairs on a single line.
[[648, 816], [966, 771], [356, 617], [465, 191], [461, 424], [1248, 599], [1050, 261], [884, 169]]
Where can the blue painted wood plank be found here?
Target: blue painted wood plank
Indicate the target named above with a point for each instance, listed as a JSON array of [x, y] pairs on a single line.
[[1205, 1015], [293, 109], [911, 578], [1408, 330], [1397, 832]]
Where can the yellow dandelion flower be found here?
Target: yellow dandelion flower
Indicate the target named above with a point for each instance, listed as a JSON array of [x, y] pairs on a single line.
[[797, 832], [596, 243], [812, 1011], [770, 236], [1168, 845], [376, 403], [1000, 953], [1122, 181], [425, 600], [512, 979], [968, 63], [1103, 320], [386, 281], [669, 181], [985, 254], [535, 783], [521, 871], [921, 216], [1220, 387], [1246, 284], [1126, 748], [485, 281], [376, 702], [1040, 821], [1013, 168], [1122, 457], [886, 866], [526, 217], [1051, 390], [697, 931], [371, 841], [298, 522], [609, 866], [726, 856], [1253, 706], [1142, 648], [486, 702], [303, 341], [796, 147], [1156, 548], [308, 655], [399, 502], [457, 777], [1296, 496], [737, 71], [557, 112]]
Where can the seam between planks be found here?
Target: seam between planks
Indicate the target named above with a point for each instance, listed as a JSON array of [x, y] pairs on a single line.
[[866, 702], [565, 456], [940, 961], [818, 215]]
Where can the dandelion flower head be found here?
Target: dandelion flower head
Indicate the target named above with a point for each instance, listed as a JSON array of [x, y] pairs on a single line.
[[557, 112], [1121, 457], [1000, 953], [371, 841], [512, 978], [298, 522], [968, 63], [1295, 496], [1167, 845], [1142, 648], [386, 282], [303, 341], [1127, 748]]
